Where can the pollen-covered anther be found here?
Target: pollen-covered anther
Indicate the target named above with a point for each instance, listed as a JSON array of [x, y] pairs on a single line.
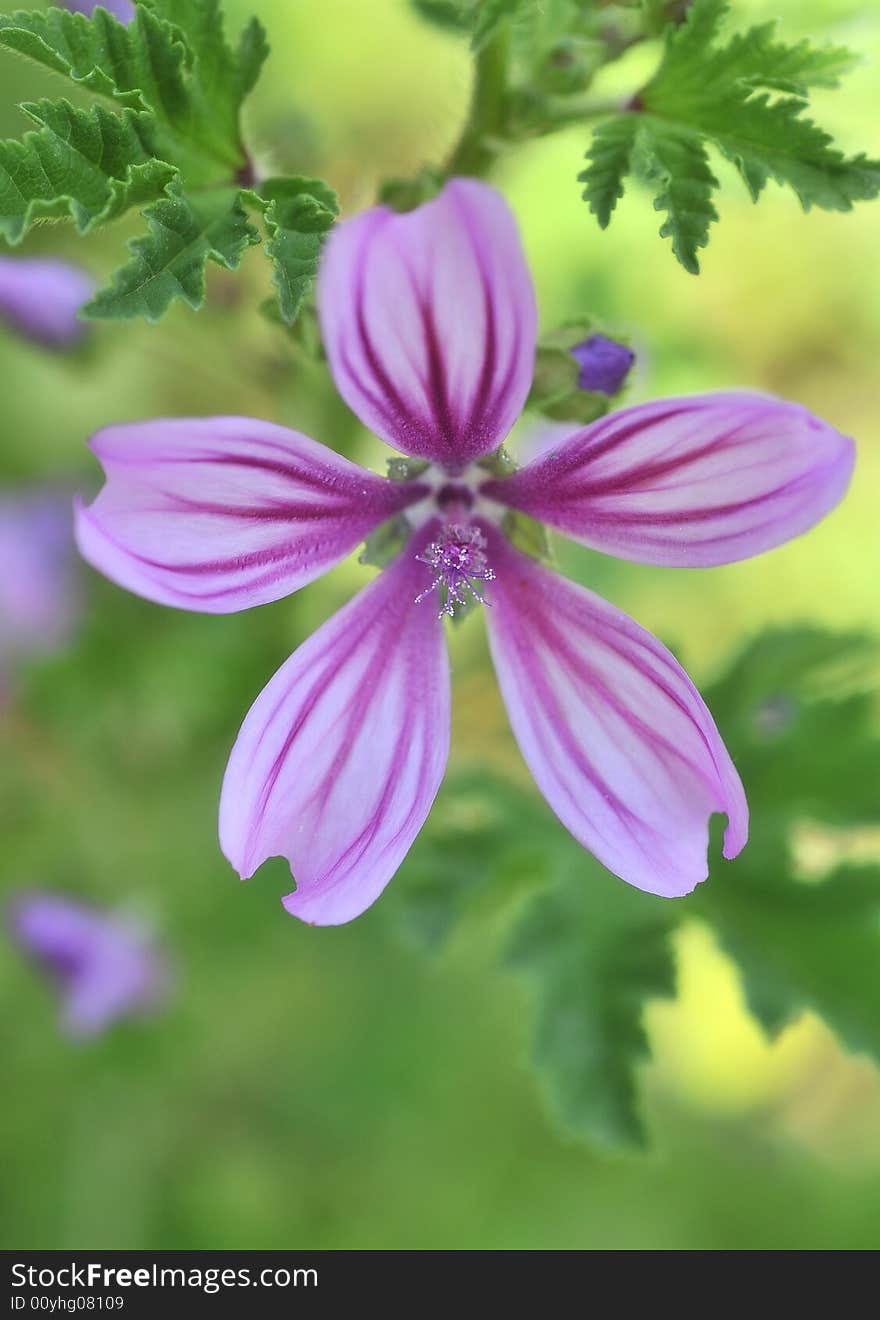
[[458, 557]]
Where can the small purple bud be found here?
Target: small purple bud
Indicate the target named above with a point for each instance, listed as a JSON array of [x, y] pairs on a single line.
[[121, 9], [40, 297], [603, 362], [105, 967]]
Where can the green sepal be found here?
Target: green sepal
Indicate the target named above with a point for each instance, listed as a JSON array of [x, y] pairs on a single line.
[[406, 469], [386, 543], [407, 194], [527, 534], [499, 463]]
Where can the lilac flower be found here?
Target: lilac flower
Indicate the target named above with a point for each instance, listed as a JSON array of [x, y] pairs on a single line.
[[121, 9], [40, 298], [106, 967], [39, 582], [604, 364], [429, 324]]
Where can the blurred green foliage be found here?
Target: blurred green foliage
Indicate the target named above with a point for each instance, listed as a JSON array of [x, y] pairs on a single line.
[[337, 1088]]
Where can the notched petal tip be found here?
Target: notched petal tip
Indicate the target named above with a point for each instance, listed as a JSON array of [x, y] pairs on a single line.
[[618, 739], [340, 757]]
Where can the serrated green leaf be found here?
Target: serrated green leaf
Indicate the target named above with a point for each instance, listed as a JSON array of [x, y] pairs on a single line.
[[169, 262], [219, 78], [759, 60], [802, 946], [89, 164], [609, 157], [596, 953], [690, 39], [705, 93], [145, 65], [678, 163], [253, 50], [299, 214], [95, 53]]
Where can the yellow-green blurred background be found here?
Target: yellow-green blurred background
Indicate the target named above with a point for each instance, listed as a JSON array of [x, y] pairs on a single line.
[[336, 1088]]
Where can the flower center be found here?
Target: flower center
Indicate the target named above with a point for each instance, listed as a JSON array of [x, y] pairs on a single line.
[[458, 560]]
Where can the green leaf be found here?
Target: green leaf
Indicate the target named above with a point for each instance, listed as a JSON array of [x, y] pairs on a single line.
[[219, 77], [592, 950], [798, 711], [145, 66], [759, 60], [169, 262], [609, 159], [802, 946], [596, 952], [487, 839], [299, 214], [794, 691], [727, 96], [89, 164], [97, 54], [679, 165]]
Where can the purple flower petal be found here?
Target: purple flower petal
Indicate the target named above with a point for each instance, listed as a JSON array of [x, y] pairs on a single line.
[[604, 364], [614, 732], [341, 755], [222, 513], [429, 323], [39, 584], [106, 967], [121, 9], [40, 298], [688, 482]]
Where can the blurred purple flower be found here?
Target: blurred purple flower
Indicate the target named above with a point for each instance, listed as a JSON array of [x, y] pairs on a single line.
[[40, 298], [429, 324], [121, 9], [40, 601], [106, 967], [604, 364]]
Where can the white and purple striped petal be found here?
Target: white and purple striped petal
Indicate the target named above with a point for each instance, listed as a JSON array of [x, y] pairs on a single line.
[[341, 755], [106, 966], [688, 482], [41, 296], [222, 513], [617, 737], [429, 323]]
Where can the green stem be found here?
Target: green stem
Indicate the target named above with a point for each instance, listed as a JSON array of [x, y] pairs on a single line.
[[486, 120], [578, 112]]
